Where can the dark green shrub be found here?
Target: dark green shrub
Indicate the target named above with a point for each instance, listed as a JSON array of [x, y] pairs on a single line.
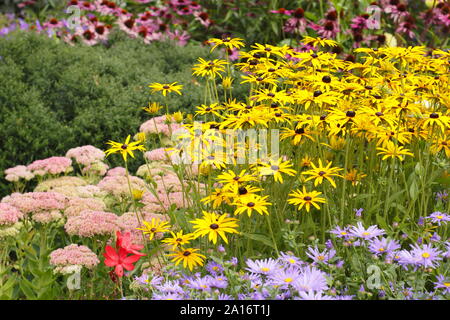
[[54, 97]]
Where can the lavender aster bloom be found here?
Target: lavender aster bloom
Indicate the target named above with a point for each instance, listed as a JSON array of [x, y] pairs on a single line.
[[170, 287], [442, 283], [284, 277], [366, 234], [311, 279], [435, 237], [311, 295], [289, 260], [441, 195], [167, 296], [426, 256], [224, 296], [383, 245], [202, 284], [320, 256], [421, 221], [358, 212], [341, 232], [262, 266], [439, 217], [214, 268], [220, 282]]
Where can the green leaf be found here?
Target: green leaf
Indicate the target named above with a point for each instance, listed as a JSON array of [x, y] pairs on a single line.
[[260, 238], [27, 290], [311, 16]]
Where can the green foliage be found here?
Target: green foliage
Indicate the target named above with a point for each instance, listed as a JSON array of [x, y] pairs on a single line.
[[55, 97]]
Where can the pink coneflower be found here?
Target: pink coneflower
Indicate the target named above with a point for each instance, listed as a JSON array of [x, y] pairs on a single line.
[[145, 34], [86, 5], [406, 27], [203, 17], [128, 25], [181, 38], [328, 27], [296, 24], [282, 11], [89, 37], [397, 11], [53, 23]]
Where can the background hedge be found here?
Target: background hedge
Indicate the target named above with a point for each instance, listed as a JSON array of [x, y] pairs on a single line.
[[54, 97]]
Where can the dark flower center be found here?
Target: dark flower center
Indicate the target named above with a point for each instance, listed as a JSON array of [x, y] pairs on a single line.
[[350, 114], [379, 114], [307, 198], [250, 204], [321, 173], [434, 116], [214, 226], [317, 93], [179, 240], [166, 87], [299, 13], [300, 131], [124, 146], [153, 229], [326, 79], [275, 168], [186, 253], [242, 190]]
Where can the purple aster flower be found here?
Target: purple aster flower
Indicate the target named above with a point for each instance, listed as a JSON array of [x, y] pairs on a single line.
[[262, 266], [340, 264], [214, 268], [329, 244], [439, 217], [435, 237], [311, 295], [170, 287], [345, 297], [221, 248], [233, 261], [446, 254], [383, 245], [343, 233], [224, 296], [143, 279], [427, 256], [242, 296], [290, 260], [366, 234], [202, 284], [220, 282], [167, 296], [442, 195], [320, 256], [311, 279], [442, 283], [284, 277], [358, 212], [421, 221]]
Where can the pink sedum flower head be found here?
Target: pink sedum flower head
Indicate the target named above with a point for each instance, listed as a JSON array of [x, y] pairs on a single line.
[[92, 223], [86, 155], [52, 165], [72, 258]]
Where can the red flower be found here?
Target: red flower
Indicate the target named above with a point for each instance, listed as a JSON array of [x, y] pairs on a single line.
[[119, 260], [124, 242]]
